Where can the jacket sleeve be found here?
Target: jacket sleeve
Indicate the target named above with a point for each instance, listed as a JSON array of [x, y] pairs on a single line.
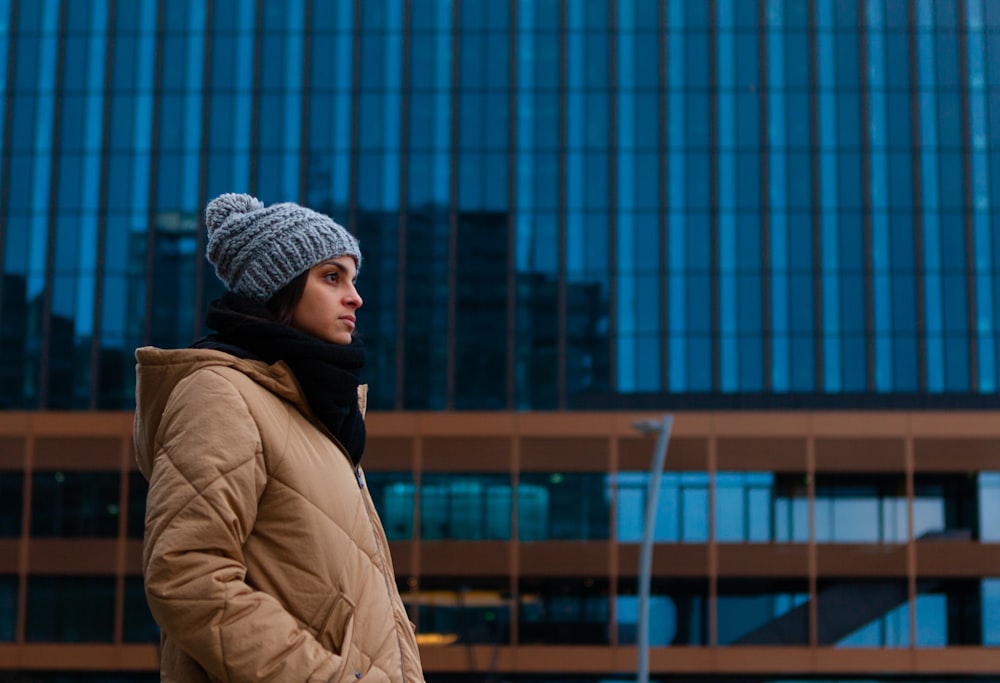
[[207, 477]]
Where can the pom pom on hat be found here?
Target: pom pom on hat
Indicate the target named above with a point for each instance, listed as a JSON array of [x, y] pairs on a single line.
[[258, 249], [225, 205]]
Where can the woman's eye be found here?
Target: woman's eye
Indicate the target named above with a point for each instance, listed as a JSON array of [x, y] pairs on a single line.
[[332, 277]]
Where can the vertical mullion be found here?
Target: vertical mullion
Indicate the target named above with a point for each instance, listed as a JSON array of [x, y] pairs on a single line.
[[514, 552], [664, 196], [713, 145], [121, 547], [917, 183], [352, 211], [258, 49], [200, 233], [561, 295], [866, 197], [817, 233], [511, 355], [403, 209], [456, 46], [812, 553], [613, 197], [23, 546], [102, 212], [967, 199], [53, 213], [765, 204], [154, 150], [307, 41], [713, 544], [911, 546]]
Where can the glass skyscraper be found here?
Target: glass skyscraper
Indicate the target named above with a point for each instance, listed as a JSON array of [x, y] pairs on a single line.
[[566, 204], [773, 217]]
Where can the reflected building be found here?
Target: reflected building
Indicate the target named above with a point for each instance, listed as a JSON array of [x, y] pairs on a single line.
[[774, 218], [172, 257]]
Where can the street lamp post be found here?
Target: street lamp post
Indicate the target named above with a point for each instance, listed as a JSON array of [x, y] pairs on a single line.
[[662, 429]]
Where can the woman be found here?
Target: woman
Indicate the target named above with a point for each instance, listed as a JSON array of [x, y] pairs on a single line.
[[264, 558]]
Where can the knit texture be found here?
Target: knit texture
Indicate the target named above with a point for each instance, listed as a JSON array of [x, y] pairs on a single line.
[[257, 249]]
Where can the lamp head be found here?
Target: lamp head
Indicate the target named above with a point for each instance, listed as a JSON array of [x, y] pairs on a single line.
[[648, 426]]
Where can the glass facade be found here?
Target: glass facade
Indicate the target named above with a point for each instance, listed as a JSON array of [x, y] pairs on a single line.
[[565, 205], [816, 551], [593, 203]]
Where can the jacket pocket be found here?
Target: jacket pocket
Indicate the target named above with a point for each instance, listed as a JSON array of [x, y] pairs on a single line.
[[333, 624]]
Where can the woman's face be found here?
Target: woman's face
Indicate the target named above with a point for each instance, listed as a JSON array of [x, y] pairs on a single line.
[[329, 301]]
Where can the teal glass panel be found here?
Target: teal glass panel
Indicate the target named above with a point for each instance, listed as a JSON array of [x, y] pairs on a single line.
[[851, 509], [989, 506], [744, 507], [983, 266], [468, 507], [990, 610], [948, 613], [394, 495], [879, 613], [929, 163], [678, 612], [279, 111], [681, 514], [752, 611], [229, 93]]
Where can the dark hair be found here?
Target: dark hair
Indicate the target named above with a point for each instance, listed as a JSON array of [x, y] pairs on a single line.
[[282, 304]]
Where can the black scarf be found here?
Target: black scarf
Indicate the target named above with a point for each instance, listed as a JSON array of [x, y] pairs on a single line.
[[328, 373]]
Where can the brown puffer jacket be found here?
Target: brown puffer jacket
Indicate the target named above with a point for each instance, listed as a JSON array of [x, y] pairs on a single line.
[[264, 558]]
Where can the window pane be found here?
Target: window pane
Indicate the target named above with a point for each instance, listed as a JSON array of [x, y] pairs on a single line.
[[8, 608], [70, 609], [681, 507], [861, 510], [137, 489], [678, 612], [855, 613], [563, 506], [471, 507], [11, 500], [565, 610], [393, 495], [472, 610], [991, 611], [763, 612], [948, 613], [744, 506], [989, 506], [138, 625], [74, 504]]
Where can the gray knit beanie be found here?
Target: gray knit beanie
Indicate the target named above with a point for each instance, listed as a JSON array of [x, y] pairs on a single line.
[[257, 249]]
